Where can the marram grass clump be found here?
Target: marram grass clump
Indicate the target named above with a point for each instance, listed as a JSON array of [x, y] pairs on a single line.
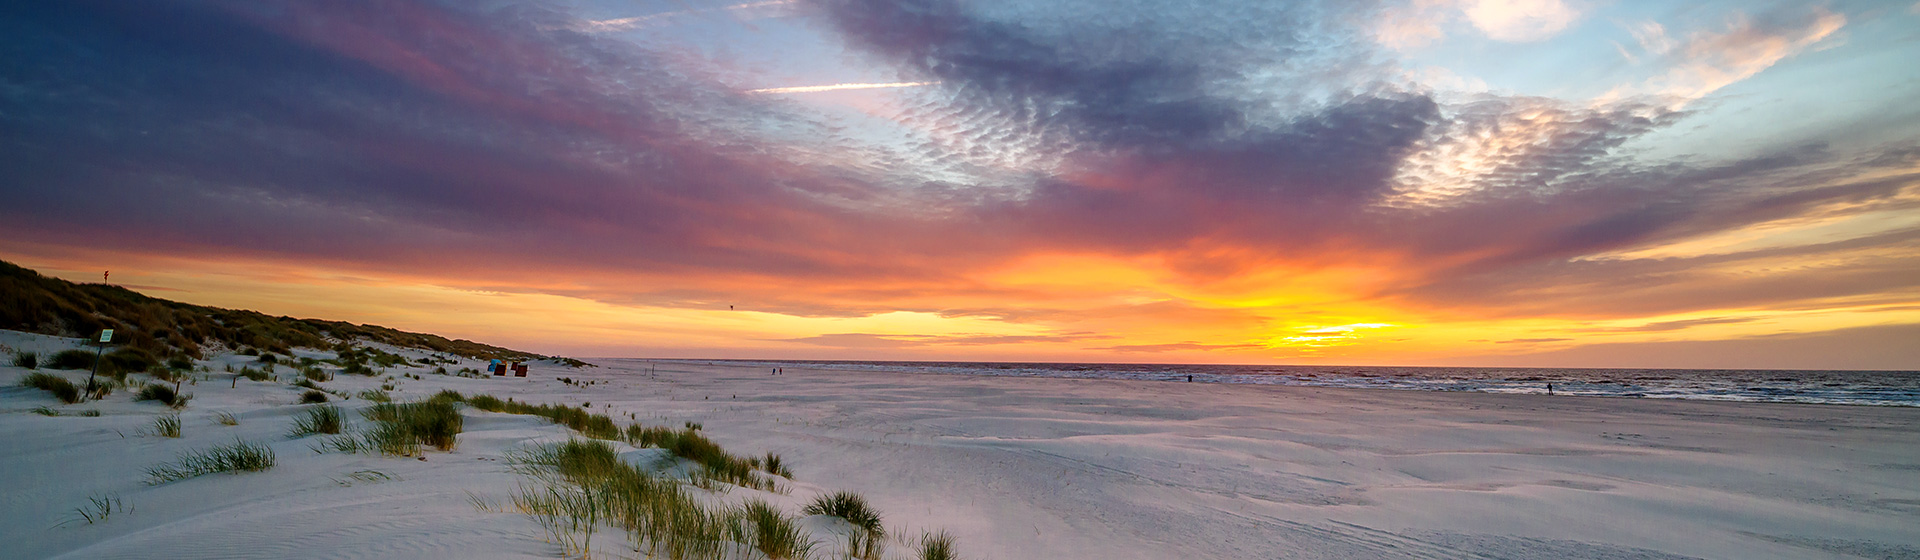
[[866, 534], [166, 426], [162, 393], [589, 486], [238, 456], [325, 419], [59, 386], [401, 429]]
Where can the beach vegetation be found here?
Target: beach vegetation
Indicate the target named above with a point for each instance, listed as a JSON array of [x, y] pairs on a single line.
[[588, 484], [162, 393], [773, 533], [180, 362], [432, 423], [90, 413], [98, 509], [774, 465], [314, 373], [255, 374], [226, 419], [686, 443], [166, 426], [71, 359], [27, 360], [324, 419], [32, 302], [866, 534], [375, 396], [936, 546], [130, 360], [45, 411], [401, 429], [59, 386], [238, 456], [313, 396]]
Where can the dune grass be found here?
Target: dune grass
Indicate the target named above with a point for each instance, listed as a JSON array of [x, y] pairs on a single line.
[[765, 528], [313, 396], [238, 456], [448, 396], [866, 534], [166, 426], [325, 419], [689, 444], [400, 429], [434, 423], [686, 443], [314, 373], [776, 466], [936, 546], [226, 419], [59, 386], [588, 485], [98, 509], [255, 374], [71, 359], [29, 360], [45, 411], [164, 394], [375, 396]]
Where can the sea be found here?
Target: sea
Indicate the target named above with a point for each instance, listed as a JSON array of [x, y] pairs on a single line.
[[1874, 388]]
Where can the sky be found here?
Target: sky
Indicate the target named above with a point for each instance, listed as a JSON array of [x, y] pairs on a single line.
[[1556, 183]]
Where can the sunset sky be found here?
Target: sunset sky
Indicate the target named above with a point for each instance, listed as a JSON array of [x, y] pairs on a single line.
[[1423, 182]]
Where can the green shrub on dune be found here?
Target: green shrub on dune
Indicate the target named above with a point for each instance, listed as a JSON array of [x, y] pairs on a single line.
[[71, 359], [27, 360], [130, 360]]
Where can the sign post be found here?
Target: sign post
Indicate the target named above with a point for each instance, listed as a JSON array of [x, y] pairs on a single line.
[[106, 335]]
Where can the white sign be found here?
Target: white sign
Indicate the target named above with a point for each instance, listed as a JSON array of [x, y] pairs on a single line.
[[106, 336]]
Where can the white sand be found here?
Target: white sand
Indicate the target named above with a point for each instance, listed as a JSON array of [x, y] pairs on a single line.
[[1023, 468]]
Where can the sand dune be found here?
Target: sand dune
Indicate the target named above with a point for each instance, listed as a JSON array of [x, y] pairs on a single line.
[[1025, 468]]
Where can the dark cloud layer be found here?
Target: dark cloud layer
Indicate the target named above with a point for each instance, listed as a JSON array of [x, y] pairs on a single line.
[[446, 139]]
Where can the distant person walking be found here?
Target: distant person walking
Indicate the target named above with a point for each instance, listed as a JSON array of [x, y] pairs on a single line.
[[1549, 389]]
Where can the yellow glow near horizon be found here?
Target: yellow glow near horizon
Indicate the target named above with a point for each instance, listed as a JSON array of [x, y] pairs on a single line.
[[1093, 308]]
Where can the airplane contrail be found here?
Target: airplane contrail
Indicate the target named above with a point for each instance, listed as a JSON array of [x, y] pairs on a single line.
[[836, 87]]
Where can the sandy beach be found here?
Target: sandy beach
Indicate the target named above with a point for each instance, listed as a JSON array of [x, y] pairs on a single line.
[[1015, 468]]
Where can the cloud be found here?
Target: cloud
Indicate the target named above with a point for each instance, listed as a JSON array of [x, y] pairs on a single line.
[[1228, 150], [1707, 61], [1664, 326], [1530, 340], [869, 340], [838, 87], [1175, 347], [750, 10], [1520, 21], [1419, 23]]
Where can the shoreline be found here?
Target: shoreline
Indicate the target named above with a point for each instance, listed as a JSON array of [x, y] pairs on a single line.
[[1564, 394]]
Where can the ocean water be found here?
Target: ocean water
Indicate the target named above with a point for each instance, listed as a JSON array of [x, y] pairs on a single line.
[[1879, 388]]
